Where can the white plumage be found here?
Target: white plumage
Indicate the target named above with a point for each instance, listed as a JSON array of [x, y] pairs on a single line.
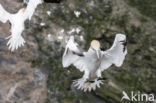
[[94, 61], [31, 6], [17, 23]]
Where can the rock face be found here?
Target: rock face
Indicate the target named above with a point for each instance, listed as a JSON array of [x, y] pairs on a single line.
[[19, 81], [34, 73]]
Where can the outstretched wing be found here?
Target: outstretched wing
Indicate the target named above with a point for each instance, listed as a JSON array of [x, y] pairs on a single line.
[[4, 15], [32, 5], [116, 54], [73, 55]]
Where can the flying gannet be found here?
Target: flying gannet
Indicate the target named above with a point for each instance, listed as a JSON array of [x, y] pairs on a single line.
[[17, 23], [94, 61]]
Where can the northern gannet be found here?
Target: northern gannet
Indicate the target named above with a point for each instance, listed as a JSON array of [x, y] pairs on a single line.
[[94, 61], [17, 23]]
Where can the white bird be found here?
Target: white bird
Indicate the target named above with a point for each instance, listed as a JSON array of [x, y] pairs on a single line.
[[17, 23], [94, 61]]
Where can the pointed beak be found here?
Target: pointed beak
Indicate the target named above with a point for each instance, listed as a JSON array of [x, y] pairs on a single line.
[[97, 53]]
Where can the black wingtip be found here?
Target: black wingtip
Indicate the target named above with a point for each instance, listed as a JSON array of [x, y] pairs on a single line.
[[124, 43], [79, 54], [90, 81], [52, 1], [102, 78]]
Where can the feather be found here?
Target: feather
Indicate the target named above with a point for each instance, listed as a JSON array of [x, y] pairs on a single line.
[[4, 15]]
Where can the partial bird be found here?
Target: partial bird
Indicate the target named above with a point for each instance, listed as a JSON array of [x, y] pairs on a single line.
[[77, 13], [94, 61], [31, 6], [17, 23]]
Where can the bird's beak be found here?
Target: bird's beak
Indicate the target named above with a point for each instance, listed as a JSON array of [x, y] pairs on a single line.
[[97, 53]]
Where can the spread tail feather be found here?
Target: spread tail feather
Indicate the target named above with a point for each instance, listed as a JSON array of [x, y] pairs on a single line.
[[15, 42], [84, 85]]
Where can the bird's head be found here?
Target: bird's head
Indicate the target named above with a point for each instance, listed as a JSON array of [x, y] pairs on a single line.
[[120, 37], [95, 45], [22, 10]]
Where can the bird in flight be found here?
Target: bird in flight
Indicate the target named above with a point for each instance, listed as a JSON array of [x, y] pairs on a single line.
[[17, 23], [94, 61]]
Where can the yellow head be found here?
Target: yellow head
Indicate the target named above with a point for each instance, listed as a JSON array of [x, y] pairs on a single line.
[[23, 9], [95, 44]]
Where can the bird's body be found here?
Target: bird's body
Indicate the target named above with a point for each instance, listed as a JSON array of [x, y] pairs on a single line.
[[94, 61], [16, 40], [91, 58], [17, 23]]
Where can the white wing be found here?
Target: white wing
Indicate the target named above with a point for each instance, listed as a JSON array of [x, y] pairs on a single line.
[[4, 15], [32, 5], [116, 54], [72, 55]]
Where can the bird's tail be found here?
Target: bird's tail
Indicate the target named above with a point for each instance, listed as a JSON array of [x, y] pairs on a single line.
[[84, 85], [15, 42]]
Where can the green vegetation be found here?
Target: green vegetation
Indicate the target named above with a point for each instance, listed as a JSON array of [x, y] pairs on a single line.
[[146, 7], [98, 22]]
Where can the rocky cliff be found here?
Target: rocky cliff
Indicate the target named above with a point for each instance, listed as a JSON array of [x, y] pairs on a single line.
[[34, 73]]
